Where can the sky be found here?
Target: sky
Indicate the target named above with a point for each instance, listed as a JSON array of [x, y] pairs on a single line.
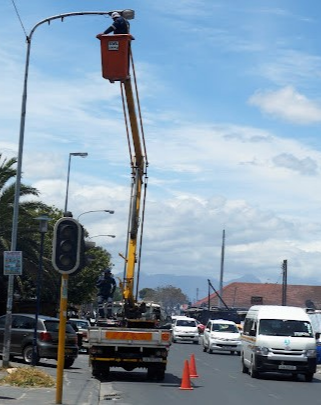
[[231, 105]]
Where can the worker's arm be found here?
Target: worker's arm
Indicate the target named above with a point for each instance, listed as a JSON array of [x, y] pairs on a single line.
[[109, 30]]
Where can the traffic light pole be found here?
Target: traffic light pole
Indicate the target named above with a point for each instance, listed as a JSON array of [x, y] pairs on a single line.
[[62, 334]]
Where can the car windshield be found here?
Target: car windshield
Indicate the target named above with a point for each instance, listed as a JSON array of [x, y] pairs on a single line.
[[185, 322], [53, 326], [224, 327], [284, 327]]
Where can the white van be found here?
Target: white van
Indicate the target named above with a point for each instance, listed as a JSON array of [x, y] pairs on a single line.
[[278, 339]]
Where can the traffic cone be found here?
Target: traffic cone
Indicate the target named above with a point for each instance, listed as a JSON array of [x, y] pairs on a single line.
[[186, 381], [192, 367]]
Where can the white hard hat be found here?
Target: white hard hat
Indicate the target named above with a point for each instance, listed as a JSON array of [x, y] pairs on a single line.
[[115, 15]]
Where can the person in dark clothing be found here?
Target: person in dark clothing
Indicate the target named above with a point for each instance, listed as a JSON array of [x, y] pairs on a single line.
[[119, 26], [106, 285]]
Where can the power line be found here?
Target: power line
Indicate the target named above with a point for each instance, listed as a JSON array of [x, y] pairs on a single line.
[[19, 18]]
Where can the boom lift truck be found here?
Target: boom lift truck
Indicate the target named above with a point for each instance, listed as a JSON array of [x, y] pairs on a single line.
[[136, 341]]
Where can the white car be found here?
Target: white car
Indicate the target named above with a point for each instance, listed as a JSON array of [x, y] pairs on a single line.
[[185, 330], [222, 335]]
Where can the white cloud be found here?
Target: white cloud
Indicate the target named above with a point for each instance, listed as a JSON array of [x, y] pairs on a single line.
[[288, 104]]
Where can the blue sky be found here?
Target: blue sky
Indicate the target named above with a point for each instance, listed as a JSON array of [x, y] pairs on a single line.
[[231, 104]]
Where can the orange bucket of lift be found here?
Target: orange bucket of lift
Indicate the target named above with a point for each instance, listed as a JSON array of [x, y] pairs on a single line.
[[115, 60]]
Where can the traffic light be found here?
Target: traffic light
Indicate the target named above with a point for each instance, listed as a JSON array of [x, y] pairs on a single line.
[[67, 242]]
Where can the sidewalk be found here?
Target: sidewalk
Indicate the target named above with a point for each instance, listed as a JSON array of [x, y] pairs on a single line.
[[79, 387]]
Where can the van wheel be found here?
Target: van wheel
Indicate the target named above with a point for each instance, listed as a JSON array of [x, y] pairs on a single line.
[[244, 368], [253, 373], [308, 377]]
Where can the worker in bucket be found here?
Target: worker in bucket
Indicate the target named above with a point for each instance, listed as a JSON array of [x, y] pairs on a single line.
[[106, 285], [119, 26]]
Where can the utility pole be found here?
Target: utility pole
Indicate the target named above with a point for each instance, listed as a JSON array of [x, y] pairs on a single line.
[[284, 281], [222, 270]]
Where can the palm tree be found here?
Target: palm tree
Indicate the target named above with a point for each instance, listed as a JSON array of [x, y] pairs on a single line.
[[28, 236]]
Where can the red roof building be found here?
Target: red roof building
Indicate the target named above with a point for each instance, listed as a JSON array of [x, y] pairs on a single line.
[[244, 295]]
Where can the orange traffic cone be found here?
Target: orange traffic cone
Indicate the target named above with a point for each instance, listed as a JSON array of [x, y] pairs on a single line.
[[192, 367], [186, 381]]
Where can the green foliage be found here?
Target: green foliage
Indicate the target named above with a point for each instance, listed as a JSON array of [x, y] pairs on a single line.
[[167, 296], [81, 287]]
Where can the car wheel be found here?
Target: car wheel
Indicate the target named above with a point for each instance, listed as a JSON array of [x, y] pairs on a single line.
[[69, 362], [196, 342], [27, 355], [232, 351]]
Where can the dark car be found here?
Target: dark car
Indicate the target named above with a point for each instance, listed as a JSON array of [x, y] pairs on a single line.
[[22, 333]]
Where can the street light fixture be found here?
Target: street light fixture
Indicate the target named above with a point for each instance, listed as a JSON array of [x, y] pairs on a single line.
[[81, 154], [43, 228], [87, 212]]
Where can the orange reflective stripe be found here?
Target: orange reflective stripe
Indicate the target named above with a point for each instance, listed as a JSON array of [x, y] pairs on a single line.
[[112, 335]]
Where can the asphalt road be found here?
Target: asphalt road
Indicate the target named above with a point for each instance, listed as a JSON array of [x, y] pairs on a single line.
[[220, 382]]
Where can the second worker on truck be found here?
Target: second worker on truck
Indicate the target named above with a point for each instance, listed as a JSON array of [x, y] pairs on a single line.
[[106, 287]]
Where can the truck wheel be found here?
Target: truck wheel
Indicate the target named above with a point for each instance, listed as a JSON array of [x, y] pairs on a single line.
[[69, 361], [160, 374], [150, 373], [308, 377]]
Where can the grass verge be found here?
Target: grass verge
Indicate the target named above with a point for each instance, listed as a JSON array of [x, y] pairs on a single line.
[[28, 377]]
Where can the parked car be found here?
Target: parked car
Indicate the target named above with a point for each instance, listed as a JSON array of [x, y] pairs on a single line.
[[221, 335], [22, 334], [81, 326], [185, 330]]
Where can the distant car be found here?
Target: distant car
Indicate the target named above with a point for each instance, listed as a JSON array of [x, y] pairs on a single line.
[[22, 334], [222, 335], [81, 326], [185, 330]]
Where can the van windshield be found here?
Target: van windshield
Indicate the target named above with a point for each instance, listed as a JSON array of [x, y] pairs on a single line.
[[284, 327]]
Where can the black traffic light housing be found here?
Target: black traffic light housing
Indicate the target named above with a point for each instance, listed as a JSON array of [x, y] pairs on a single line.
[[67, 246]]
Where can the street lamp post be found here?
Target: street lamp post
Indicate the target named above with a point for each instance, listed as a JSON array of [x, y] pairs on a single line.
[[81, 154], [43, 228], [87, 212]]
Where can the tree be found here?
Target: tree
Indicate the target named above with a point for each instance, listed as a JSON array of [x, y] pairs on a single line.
[[147, 294], [82, 286], [170, 296], [27, 226]]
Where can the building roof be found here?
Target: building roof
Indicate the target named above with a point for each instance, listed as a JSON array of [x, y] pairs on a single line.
[[244, 295]]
